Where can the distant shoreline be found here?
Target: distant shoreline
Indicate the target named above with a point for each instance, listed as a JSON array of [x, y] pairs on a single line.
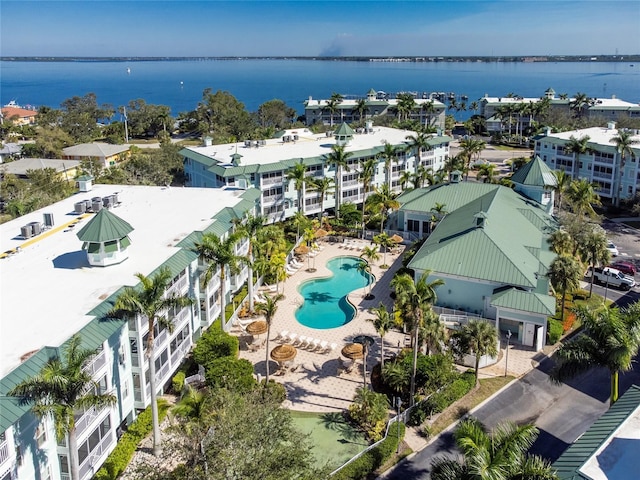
[[392, 59]]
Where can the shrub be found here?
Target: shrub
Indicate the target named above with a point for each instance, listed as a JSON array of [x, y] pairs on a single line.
[[274, 391], [230, 372], [214, 344], [177, 382], [374, 458], [118, 460], [569, 320], [554, 330]]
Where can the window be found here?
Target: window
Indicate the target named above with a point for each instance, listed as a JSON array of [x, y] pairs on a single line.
[[64, 464], [413, 225], [100, 433], [41, 434]]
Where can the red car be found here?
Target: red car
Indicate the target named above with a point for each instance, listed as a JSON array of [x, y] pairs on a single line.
[[627, 268]]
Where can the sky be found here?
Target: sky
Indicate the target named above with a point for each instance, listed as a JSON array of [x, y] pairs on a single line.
[[318, 28]]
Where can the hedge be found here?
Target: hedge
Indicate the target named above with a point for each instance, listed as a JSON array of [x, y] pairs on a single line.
[[554, 330], [371, 460], [214, 344], [440, 400], [118, 460]]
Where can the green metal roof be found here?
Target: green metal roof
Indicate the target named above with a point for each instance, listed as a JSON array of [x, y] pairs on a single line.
[[525, 301], [93, 335], [344, 130], [198, 157], [570, 462], [104, 226], [498, 250], [535, 173]]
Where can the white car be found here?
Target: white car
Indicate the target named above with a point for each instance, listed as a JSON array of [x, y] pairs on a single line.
[[612, 249]]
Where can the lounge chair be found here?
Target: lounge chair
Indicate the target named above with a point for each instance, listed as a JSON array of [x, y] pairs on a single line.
[[283, 335], [315, 342], [270, 288], [323, 345], [303, 340], [332, 347], [292, 337], [296, 263]]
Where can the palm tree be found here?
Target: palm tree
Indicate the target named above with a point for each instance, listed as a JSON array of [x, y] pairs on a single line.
[[367, 172], [301, 222], [500, 455], [340, 160], [269, 309], [218, 254], [153, 302], [385, 242], [576, 147], [193, 410], [488, 172], [582, 196], [62, 388], [578, 104], [415, 298], [610, 339], [361, 108], [418, 143], [332, 105], [364, 267], [563, 181], [432, 333], [593, 249], [406, 177], [323, 186], [623, 143], [478, 337], [382, 323], [370, 254], [430, 109], [388, 155], [473, 106], [564, 273], [561, 242], [383, 200], [250, 229], [298, 176], [395, 375]]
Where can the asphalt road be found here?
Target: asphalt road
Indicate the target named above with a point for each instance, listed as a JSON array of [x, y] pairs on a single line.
[[561, 412]]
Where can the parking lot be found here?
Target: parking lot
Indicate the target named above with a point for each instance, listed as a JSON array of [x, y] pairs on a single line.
[[627, 239]]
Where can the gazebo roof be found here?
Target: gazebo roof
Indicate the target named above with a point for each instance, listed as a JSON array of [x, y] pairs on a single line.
[[344, 130], [103, 227]]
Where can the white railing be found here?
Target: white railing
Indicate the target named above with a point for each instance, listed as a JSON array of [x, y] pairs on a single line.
[[4, 452], [90, 464], [180, 318], [272, 181], [599, 159], [160, 339], [180, 352], [85, 420]]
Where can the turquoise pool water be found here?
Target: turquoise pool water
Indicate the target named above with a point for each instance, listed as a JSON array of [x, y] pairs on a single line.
[[325, 302]]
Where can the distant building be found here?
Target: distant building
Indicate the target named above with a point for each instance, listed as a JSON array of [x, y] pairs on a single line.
[[264, 164], [606, 109], [67, 169], [10, 151], [63, 268], [601, 166], [427, 111], [107, 155], [18, 116]]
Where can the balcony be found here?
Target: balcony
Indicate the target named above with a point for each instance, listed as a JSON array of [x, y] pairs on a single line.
[[92, 462], [272, 181], [180, 352], [98, 362], [5, 453]]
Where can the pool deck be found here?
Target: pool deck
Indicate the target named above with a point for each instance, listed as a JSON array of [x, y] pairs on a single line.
[[316, 385]]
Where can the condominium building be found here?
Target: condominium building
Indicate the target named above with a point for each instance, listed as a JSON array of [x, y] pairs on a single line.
[[427, 111], [264, 164], [62, 270], [523, 110], [601, 165]]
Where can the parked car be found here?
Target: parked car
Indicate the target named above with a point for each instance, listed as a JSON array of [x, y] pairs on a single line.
[[627, 268], [613, 249], [611, 278]]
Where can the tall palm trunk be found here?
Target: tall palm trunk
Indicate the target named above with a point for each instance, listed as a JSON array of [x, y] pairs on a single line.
[[157, 439], [338, 190], [412, 391], [250, 280], [266, 362], [615, 393], [223, 302], [74, 460]]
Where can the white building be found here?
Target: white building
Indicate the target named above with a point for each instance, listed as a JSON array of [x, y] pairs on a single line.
[[523, 110], [427, 111], [264, 165], [51, 291], [600, 166]]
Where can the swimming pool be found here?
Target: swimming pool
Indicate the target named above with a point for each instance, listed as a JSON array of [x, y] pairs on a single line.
[[325, 302]]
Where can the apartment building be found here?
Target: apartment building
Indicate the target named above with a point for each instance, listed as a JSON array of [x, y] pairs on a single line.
[[426, 110], [601, 165], [62, 270], [264, 164]]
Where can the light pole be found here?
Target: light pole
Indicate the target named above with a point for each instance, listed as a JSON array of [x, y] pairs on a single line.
[[506, 357], [398, 405]]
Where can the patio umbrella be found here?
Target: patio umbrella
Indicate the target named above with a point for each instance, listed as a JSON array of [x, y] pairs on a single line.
[[353, 351], [396, 238], [257, 328], [283, 353], [321, 232], [302, 249]]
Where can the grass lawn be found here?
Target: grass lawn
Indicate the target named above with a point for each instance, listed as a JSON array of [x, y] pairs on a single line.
[[488, 386], [334, 440]]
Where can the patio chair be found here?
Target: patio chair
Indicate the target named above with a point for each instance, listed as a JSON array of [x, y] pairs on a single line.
[[283, 335], [316, 343], [331, 347], [303, 340], [292, 337], [323, 345]]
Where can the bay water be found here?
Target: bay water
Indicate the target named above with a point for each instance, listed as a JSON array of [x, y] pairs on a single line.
[[180, 83]]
